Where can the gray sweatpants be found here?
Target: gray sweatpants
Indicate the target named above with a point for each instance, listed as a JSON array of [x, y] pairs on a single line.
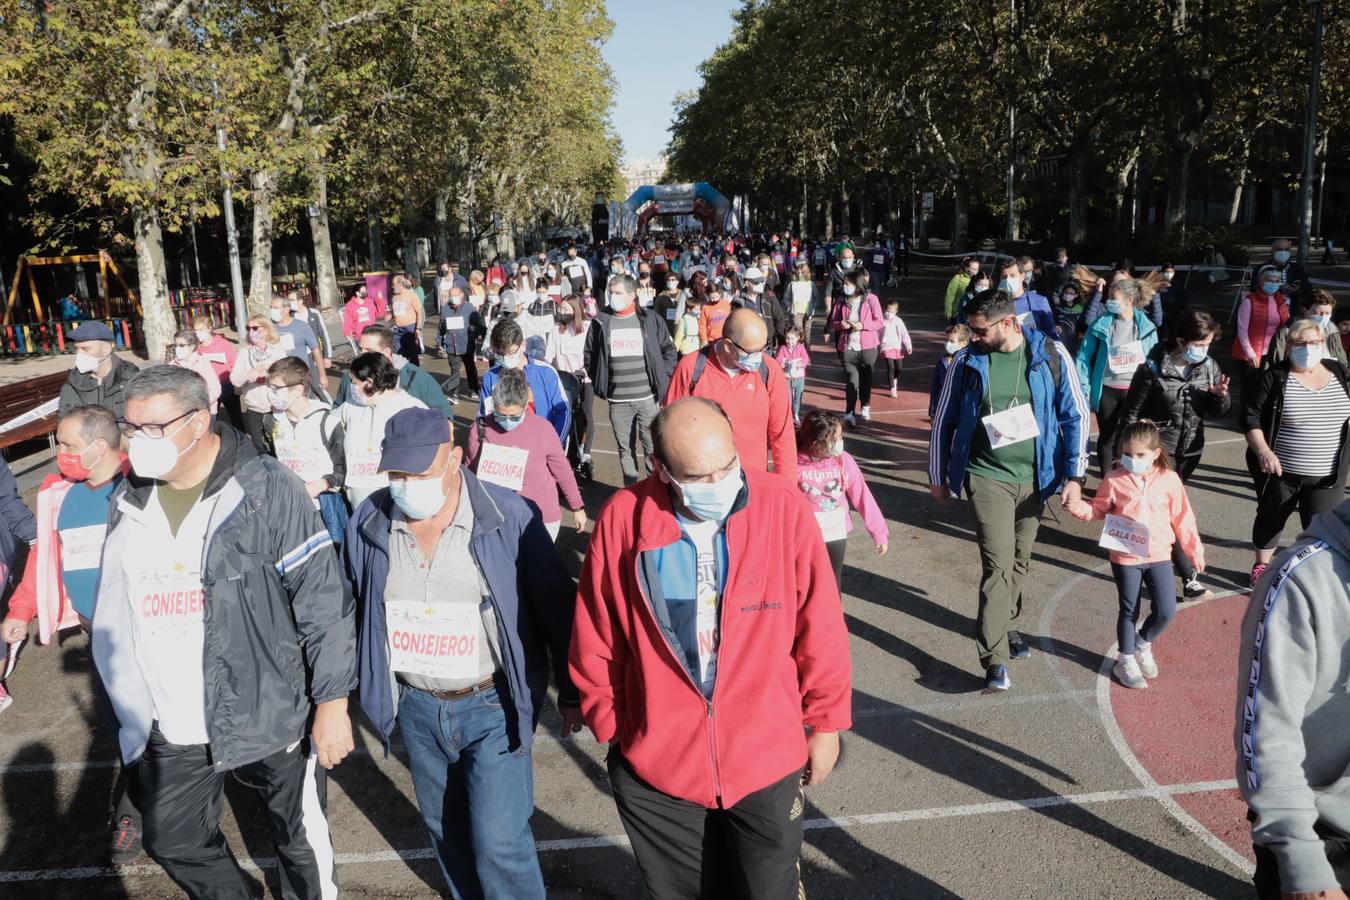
[[632, 423]]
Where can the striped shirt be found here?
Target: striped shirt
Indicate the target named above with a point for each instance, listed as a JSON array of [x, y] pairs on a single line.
[[627, 361], [1311, 423]]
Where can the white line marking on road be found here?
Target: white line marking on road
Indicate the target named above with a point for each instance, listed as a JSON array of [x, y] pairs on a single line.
[[1163, 795], [1050, 801]]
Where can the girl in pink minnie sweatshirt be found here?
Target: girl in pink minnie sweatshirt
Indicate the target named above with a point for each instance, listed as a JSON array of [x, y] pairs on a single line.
[[832, 482]]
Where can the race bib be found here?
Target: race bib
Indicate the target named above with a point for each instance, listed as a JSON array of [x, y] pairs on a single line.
[[169, 602], [1124, 535], [625, 342], [878, 259], [82, 548], [796, 369], [434, 640], [819, 257], [1012, 426], [503, 465], [400, 308], [670, 314], [1126, 358], [363, 315], [454, 323], [363, 465], [833, 523], [218, 358], [287, 342], [555, 291], [1025, 319], [308, 465]]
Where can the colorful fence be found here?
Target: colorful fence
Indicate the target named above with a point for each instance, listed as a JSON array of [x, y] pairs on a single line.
[[53, 337]]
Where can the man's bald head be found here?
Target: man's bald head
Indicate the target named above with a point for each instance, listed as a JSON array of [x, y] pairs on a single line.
[[691, 438], [746, 329]]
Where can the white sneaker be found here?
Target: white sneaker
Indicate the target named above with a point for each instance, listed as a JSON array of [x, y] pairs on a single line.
[[1143, 654], [849, 420], [866, 413], [894, 391], [1127, 672]]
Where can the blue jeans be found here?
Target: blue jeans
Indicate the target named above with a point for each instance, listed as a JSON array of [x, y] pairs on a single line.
[[476, 796], [1162, 588], [796, 386]]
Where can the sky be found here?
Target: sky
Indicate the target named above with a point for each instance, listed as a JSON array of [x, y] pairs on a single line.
[[655, 52]]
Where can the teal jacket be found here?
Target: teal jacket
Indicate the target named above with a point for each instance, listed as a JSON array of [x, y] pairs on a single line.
[[1096, 347]]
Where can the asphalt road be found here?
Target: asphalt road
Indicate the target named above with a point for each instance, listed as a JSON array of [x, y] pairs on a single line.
[[942, 791]]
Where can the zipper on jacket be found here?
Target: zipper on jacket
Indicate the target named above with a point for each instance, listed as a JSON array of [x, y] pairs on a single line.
[[708, 702]]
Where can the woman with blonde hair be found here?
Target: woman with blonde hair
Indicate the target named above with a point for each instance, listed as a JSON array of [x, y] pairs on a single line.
[[249, 375]]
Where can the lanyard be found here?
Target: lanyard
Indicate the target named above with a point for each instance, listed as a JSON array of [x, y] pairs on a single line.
[[1017, 385]]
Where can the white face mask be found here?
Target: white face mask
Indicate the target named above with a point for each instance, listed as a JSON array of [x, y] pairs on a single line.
[[280, 398], [419, 499], [951, 347], [156, 457], [87, 362], [182, 352], [712, 501], [295, 306], [836, 448], [275, 314], [849, 290], [620, 301], [203, 337]]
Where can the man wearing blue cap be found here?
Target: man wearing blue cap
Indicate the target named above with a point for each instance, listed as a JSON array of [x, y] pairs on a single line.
[[99, 375], [465, 606]]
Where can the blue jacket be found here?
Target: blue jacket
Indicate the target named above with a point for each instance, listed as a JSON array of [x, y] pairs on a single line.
[[549, 399], [1058, 404], [531, 593], [935, 389], [1096, 347], [1042, 316], [17, 525]]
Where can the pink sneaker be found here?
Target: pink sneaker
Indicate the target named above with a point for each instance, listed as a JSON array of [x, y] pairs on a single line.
[[1257, 571], [6, 701]]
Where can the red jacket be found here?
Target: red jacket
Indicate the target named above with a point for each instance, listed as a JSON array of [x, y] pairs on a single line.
[[783, 660], [761, 415]]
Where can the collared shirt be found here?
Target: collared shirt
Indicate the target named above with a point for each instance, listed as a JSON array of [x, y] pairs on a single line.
[[450, 576]]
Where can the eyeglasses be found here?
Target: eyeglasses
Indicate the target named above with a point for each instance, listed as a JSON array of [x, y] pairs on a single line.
[[255, 328], [746, 349], [1312, 343], [982, 332], [152, 429]]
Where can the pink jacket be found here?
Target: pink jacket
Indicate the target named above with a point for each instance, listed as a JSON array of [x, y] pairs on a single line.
[[794, 361], [895, 342], [220, 353], [357, 315], [869, 314], [42, 592], [546, 468], [203, 367], [828, 482], [1161, 504]]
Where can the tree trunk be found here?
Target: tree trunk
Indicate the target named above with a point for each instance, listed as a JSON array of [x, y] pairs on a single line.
[[152, 280], [1178, 178], [325, 272], [802, 212], [1240, 178], [1077, 198], [442, 226], [260, 274], [374, 240], [829, 219], [960, 216], [845, 213]]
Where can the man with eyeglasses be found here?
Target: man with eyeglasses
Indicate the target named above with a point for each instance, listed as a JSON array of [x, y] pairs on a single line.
[[1011, 430], [225, 640], [710, 652], [629, 357], [738, 374], [466, 608]]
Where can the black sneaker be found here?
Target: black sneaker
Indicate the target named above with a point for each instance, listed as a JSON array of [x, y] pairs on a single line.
[[1194, 590], [996, 679], [126, 841], [1017, 648]]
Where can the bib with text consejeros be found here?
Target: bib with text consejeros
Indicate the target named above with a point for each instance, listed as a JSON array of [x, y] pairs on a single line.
[[434, 640], [1121, 534], [167, 598], [503, 465]]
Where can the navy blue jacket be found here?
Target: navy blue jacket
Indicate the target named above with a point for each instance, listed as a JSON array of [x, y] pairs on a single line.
[[19, 525], [531, 593]]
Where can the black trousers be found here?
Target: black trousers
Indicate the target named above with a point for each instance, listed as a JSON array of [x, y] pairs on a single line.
[[180, 796], [470, 369], [253, 425], [836, 550], [857, 365], [751, 851], [1278, 497], [1108, 420]]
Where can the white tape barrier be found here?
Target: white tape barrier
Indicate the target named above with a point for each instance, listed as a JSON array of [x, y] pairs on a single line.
[[38, 412]]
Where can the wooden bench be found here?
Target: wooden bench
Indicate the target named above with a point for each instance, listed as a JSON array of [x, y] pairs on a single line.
[[24, 397]]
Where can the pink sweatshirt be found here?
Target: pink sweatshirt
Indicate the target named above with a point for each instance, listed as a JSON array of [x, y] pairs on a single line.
[[895, 342], [220, 353], [546, 467], [357, 315], [1160, 503], [834, 482], [794, 361], [869, 316]]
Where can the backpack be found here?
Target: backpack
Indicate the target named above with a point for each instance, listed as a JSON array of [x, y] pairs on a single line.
[[702, 361]]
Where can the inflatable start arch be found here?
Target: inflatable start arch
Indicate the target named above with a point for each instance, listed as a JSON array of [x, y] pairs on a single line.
[[698, 199]]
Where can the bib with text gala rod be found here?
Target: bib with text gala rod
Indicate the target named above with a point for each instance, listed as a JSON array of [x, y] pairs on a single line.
[[1124, 535]]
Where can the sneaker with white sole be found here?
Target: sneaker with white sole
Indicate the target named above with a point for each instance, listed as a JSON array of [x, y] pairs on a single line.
[[849, 420], [1194, 590], [895, 392], [5, 699], [1127, 672], [1143, 655], [866, 413]]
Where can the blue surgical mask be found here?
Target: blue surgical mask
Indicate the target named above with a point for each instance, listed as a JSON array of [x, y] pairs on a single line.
[[1306, 357], [1194, 354], [1136, 466], [1114, 307], [1281, 256], [508, 423], [1324, 321], [749, 362], [1270, 287], [712, 501], [1009, 285]]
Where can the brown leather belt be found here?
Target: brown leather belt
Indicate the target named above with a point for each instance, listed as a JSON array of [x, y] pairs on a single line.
[[463, 692]]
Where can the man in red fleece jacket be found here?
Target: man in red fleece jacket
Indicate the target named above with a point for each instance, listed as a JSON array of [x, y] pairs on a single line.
[[705, 562], [738, 374]]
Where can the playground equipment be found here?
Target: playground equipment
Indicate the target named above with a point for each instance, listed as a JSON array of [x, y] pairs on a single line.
[[698, 199]]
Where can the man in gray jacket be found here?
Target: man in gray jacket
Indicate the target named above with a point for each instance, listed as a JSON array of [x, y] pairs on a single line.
[[1293, 716]]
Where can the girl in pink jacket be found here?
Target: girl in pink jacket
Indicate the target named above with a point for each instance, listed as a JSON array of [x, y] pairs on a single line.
[[832, 482], [1146, 510], [895, 344]]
